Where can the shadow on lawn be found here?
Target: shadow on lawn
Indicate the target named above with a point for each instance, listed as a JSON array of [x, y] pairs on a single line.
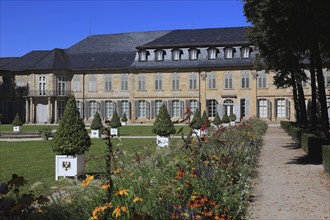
[[291, 146], [306, 160]]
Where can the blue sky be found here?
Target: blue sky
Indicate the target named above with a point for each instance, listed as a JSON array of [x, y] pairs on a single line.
[[44, 25]]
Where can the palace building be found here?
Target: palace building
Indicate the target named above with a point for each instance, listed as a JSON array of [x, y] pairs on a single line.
[[135, 73]]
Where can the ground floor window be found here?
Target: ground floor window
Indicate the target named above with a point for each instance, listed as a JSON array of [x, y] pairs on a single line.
[[79, 107], [228, 106], [175, 108], [212, 107], [60, 108], [109, 110], [280, 108], [193, 105], [263, 108], [158, 104], [125, 108], [142, 109]]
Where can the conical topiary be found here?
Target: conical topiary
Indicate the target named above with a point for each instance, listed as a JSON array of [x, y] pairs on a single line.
[[163, 125], [217, 119], [225, 118], [17, 121], [71, 136], [115, 121], [205, 120], [196, 122], [96, 123], [232, 117], [124, 118]]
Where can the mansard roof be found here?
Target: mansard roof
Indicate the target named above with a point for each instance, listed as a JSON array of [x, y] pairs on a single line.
[[200, 38], [118, 51]]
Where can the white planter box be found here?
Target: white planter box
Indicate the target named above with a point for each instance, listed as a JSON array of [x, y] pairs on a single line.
[[123, 123], [197, 132], [225, 124], [95, 133], [205, 132], [232, 123], [16, 128], [114, 132], [163, 141], [69, 165]]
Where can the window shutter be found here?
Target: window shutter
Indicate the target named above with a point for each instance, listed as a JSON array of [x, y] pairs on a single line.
[[169, 108], [102, 110], [136, 107], [181, 108], [247, 108], [275, 106], [269, 109], [87, 103], [187, 102], [237, 112], [114, 105], [129, 109], [152, 109], [287, 109], [220, 110], [148, 109], [120, 108], [258, 108]]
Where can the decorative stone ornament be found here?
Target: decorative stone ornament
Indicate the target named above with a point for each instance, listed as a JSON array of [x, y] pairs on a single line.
[[124, 123], [16, 128], [69, 165], [95, 133], [163, 141], [196, 132], [114, 132]]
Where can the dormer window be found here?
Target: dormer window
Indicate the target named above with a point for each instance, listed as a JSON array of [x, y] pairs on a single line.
[[159, 55], [193, 54], [176, 54], [143, 55], [212, 53], [229, 53], [245, 52]]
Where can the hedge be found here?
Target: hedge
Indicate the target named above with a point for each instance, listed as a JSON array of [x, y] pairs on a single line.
[[326, 158], [285, 125], [312, 144]]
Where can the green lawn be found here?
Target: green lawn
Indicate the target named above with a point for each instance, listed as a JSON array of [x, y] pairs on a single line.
[[36, 162], [130, 130]]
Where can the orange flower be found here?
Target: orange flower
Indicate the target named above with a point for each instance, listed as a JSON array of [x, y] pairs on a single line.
[[87, 181], [180, 174], [98, 211], [137, 199], [105, 186], [122, 192], [208, 213], [118, 210]]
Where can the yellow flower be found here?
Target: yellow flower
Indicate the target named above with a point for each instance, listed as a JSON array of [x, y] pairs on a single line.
[[122, 192], [137, 199], [118, 210], [105, 186], [117, 171], [87, 181], [98, 211]]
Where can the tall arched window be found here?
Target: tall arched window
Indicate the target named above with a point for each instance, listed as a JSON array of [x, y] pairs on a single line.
[[228, 106]]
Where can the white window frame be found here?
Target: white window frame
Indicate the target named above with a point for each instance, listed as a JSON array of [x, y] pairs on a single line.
[[229, 53], [280, 108], [327, 78], [141, 82], [19, 81], [175, 81], [262, 80], [228, 105], [92, 108], [193, 54], [107, 83], [176, 54], [159, 55], [108, 108], [245, 80], [143, 55], [158, 104], [159, 81], [42, 85], [176, 104], [212, 81], [228, 81], [125, 107], [193, 105], [92, 83], [60, 108], [245, 52], [212, 53], [193, 81], [124, 82], [61, 85], [263, 108], [76, 83], [142, 109], [212, 107]]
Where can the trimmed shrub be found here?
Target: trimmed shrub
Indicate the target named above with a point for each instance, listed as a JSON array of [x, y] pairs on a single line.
[[115, 121], [124, 118], [71, 136], [312, 145], [96, 123], [17, 121], [225, 118], [217, 119], [232, 117], [196, 122], [205, 120], [295, 133], [163, 125], [326, 158], [285, 125]]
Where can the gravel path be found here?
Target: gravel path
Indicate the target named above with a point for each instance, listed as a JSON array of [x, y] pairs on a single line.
[[290, 185]]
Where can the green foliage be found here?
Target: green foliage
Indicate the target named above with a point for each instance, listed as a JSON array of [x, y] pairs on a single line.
[[205, 120], [17, 121], [225, 118], [115, 121], [312, 145], [196, 122], [124, 118], [0, 117], [96, 123], [326, 158], [232, 117], [217, 119], [71, 136], [163, 126], [45, 131]]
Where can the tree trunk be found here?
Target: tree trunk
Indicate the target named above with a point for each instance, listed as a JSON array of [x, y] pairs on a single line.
[[295, 98], [302, 105], [313, 117]]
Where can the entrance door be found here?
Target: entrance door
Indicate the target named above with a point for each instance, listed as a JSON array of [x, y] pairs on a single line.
[[42, 113]]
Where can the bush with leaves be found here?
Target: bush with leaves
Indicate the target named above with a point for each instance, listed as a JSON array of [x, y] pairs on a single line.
[[196, 122], [205, 120], [232, 117], [163, 126], [124, 118], [97, 122], [17, 121], [0, 118], [225, 118], [71, 136], [217, 119], [115, 121]]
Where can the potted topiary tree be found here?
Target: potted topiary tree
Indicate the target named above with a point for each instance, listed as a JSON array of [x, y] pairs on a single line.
[[70, 142], [115, 124], [205, 124], [196, 123], [124, 120], [225, 120], [232, 118], [17, 123], [163, 127], [96, 126], [217, 120], [45, 132]]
